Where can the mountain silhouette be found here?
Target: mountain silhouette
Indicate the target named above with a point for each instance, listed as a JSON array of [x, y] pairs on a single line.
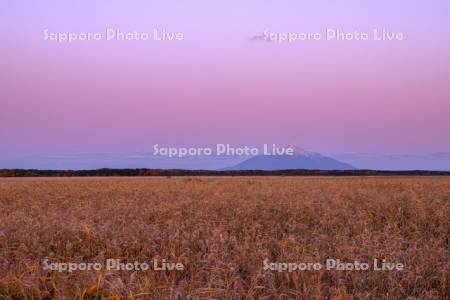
[[300, 160]]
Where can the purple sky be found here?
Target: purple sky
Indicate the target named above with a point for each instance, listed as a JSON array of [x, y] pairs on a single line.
[[218, 86]]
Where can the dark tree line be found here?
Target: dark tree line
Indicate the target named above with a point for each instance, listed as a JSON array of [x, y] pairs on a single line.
[[177, 172]]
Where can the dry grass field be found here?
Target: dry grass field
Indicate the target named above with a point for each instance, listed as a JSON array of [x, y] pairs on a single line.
[[222, 229]]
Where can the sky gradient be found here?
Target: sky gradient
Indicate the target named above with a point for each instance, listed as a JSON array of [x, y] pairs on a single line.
[[220, 86]]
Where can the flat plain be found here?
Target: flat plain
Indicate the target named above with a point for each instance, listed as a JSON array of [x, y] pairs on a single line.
[[222, 229]]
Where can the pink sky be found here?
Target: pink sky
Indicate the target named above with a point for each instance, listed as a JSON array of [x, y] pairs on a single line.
[[217, 86]]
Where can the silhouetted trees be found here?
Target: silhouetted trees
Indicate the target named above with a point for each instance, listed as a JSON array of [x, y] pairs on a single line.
[[177, 172]]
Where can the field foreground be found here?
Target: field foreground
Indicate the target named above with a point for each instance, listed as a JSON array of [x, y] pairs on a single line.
[[222, 230]]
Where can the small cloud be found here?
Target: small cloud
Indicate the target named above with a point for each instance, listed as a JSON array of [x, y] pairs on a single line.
[[260, 37]]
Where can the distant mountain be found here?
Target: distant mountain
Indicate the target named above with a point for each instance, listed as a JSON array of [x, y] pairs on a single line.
[[300, 160]]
